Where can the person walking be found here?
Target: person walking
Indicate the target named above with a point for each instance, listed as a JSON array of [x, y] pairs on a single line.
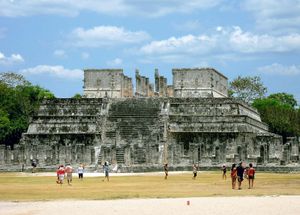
[[224, 170], [166, 171], [195, 169], [106, 170], [240, 175], [233, 175], [80, 171], [60, 174], [69, 171], [34, 165], [251, 173]]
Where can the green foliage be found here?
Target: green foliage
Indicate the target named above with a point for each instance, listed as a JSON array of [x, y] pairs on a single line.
[[4, 124], [281, 117], [77, 96], [284, 98], [247, 88], [18, 101]]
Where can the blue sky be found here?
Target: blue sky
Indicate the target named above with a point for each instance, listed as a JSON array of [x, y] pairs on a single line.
[[51, 41]]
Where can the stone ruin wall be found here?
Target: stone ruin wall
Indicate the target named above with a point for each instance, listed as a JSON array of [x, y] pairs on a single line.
[[196, 82], [101, 83], [198, 125], [143, 86], [140, 134]]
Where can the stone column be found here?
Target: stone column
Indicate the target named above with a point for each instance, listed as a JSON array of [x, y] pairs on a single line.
[[2, 154], [62, 154], [68, 154], [8, 156], [87, 155], [41, 155]]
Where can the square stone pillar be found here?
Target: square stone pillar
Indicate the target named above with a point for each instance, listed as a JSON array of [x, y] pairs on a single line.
[[62, 154], [87, 155], [2, 154]]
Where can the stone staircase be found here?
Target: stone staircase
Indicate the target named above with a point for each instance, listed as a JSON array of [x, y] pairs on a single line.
[[120, 152]]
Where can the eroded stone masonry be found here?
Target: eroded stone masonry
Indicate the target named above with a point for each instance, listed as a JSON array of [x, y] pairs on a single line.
[[191, 121]]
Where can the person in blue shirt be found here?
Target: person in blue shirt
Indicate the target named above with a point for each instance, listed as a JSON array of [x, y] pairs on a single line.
[[106, 170]]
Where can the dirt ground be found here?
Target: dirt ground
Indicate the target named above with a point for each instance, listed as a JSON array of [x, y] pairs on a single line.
[[268, 205]]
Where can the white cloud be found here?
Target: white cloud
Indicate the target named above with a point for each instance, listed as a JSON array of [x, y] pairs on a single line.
[[115, 62], [60, 7], [152, 8], [57, 71], [279, 69], [100, 36], [275, 15], [222, 41], [13, 59], [85, 55], [247, 42], [186, 44], [60, 53]]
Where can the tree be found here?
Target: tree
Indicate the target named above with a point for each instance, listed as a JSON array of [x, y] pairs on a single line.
[[281, 117], [13, 79], [19, 100], [284, 98], [4, 124], [77, 96], [247, 88]]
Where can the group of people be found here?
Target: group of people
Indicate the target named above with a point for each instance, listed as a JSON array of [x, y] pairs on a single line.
[[238, 173], [68, 169]]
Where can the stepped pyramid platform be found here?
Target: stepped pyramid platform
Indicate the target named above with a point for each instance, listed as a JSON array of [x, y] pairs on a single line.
[[143, 133], [191, 121]]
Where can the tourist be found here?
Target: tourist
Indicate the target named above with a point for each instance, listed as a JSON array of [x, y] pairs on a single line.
[[251, 173], [195, 169], [166, 170], [80, 171], [60, 174], [224, 170], [240, 174], [69, 171], [233, 175], [106, 170], [33, 164]]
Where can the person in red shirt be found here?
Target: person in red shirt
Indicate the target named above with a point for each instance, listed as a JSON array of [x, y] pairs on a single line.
[[233, 175], [251, 173], [60, 174]]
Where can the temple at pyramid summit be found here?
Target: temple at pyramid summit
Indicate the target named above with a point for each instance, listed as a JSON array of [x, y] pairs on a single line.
[[143, 127]]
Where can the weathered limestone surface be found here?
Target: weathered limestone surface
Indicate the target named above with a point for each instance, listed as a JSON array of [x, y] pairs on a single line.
[[143, 86], [198, 125], [204, 82], [112, 83], [141, 134]]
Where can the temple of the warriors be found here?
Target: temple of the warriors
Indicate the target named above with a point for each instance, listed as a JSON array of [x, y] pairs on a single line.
[[140, 128]]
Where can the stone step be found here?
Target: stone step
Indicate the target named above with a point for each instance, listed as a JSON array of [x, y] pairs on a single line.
[[120, 155]]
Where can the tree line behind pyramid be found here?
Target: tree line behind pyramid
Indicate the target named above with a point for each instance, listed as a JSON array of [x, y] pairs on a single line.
[[196, 120]]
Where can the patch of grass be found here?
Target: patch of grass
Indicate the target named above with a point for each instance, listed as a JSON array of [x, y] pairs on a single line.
[[14, 187]]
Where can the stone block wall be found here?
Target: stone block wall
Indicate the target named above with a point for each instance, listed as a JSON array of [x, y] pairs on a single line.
[[143, 133], [101, 83], [204, 82]]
